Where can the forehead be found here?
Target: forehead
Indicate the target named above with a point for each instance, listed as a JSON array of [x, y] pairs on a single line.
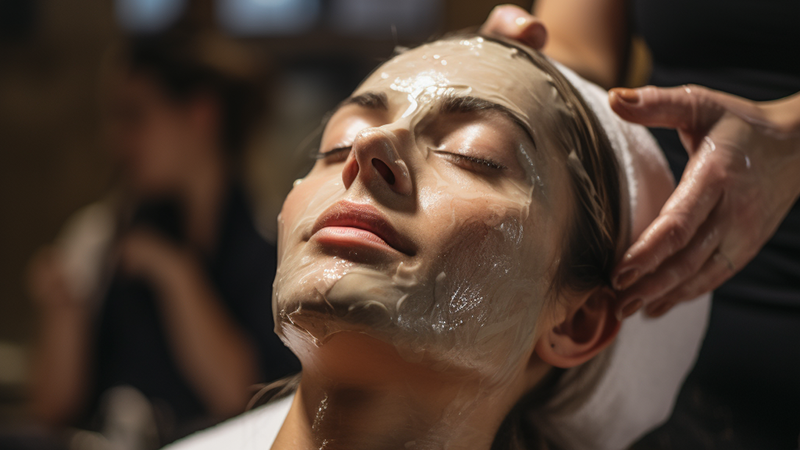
[[474, 67]]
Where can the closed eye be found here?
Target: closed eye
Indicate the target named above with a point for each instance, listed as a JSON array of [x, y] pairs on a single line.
[[479, 163], [335, 155]]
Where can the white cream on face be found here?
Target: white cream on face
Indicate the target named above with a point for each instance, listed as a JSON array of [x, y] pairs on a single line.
[[471, 296]]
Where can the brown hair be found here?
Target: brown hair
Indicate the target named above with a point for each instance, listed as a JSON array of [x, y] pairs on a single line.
[[186, 64]]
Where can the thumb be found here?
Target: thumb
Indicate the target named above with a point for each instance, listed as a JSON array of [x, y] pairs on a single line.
[[691, 109], [513, 22]]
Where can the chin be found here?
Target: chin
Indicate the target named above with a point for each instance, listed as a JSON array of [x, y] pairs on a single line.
[[419, 324], [471, 309]]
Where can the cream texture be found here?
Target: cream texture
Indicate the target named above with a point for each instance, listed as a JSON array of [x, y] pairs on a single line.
[[475, 303]]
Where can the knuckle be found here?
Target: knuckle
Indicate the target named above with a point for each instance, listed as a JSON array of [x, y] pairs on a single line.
[[680, 230], [715, 176], [693, 89]]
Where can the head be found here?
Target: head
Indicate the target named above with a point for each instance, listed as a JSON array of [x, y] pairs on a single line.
[[176, 101], [464, 209]]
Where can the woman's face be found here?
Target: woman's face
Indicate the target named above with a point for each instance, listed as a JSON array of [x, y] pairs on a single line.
[[431, 220], [151, 135]]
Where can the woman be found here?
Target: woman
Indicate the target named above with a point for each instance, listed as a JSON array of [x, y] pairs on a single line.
[[172, 321], [444, 268], [732, 224]]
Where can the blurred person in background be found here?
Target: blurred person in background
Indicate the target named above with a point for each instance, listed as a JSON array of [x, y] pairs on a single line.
[[155, 304]]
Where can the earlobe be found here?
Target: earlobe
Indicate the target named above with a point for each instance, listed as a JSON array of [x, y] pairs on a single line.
[[588, 328]]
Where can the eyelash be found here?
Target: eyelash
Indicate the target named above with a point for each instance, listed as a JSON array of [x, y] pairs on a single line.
[[458, 157], [474, 161], [342, 152]]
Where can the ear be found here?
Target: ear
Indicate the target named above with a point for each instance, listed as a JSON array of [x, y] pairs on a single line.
[[588, 328]]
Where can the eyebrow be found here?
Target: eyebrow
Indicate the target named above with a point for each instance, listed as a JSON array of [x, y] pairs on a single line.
[[369, 100], [450, 105], [462, 105]]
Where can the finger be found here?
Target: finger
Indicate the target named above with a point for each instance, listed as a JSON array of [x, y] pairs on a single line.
[[678, 268], [513, 22], [689, 108], [687, 208], [717, 269]]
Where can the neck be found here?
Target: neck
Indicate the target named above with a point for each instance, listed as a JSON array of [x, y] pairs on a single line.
[[202, 193], [362, 395]]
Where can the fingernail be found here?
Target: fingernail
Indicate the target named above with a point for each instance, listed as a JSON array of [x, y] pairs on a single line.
[[626, 279], [630, 96]]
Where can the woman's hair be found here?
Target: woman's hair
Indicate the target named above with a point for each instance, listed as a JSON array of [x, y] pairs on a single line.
[[588, 257], [185, 65]]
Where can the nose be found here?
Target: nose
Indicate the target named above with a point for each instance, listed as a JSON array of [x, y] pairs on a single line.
[[375, 160]]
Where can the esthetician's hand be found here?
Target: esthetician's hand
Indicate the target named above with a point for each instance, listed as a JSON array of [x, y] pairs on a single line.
[[513, 22], [742, 178]]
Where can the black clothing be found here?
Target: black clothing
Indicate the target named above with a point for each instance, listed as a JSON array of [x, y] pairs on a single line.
[[132, 346], [745, 389]]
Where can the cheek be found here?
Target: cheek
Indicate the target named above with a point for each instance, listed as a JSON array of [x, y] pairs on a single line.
[[489, 278], [491, 263], [304, 204], [158, 145]]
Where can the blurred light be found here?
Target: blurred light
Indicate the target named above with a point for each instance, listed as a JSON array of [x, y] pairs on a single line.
[[267, 17], [148, 16], [409, 19]]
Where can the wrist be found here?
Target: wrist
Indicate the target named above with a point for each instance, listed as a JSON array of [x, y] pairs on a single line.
[[785, 115]]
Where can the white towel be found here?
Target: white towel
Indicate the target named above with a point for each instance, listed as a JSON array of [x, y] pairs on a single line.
[[637, 390]]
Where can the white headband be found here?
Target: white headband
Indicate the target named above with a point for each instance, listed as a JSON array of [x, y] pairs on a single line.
[[640, 380]]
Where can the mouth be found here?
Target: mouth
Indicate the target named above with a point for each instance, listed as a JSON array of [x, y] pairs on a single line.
[[350, 224]]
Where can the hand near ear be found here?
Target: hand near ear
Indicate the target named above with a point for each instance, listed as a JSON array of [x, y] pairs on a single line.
[[739, 184], [588, 327]]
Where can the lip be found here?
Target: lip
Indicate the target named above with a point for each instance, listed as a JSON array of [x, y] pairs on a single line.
[[358, 224]]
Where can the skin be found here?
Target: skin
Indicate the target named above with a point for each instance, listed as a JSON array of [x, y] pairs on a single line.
[[429, 342], [165, 149], [739, 183]]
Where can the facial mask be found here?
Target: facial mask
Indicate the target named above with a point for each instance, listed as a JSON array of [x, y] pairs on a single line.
[[472, 297]]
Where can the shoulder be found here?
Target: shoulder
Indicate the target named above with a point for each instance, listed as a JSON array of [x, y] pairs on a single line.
[[83, 243], [254, 429]]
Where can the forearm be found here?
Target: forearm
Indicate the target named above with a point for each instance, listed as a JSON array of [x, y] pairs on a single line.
[[60, 366], [589, 36], [785, 113], [583, 61], [214, 355]]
